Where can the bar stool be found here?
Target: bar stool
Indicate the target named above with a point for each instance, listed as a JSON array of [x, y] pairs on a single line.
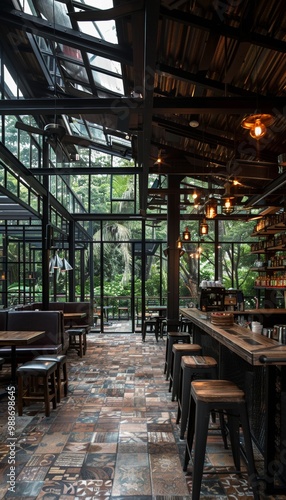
[[30, 375], [77, 340], [186, 325], [123, 310], [193, 367], [174, 338], [223, 395], [152, 324], [179, 350], [61, 373]]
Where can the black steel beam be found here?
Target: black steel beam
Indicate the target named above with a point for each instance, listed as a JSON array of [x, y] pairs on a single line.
[[86, 171], [121, 105]]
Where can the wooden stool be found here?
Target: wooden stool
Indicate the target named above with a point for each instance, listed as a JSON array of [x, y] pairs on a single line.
[[174, 338], [62, 381], [153, 325], [32, 373], [179, 350], [186, 325], [223, 395], [123, 310], [77, 340], [193, 367]]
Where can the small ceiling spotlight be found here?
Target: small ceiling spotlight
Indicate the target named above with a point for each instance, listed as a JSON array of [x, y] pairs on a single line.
[[194, 122]]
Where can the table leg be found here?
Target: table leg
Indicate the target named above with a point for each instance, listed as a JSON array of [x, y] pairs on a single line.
[[13, 364]]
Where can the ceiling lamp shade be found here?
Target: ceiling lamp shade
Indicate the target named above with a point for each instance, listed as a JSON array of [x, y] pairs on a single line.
[[257, 124], [58, 262], [211, 208], [186, 234], [204, 228], [65, 266]]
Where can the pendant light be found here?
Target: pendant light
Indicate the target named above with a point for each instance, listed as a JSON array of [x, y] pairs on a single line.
[[211, 208], [65, 266], [179, 244], [186, 234], [227, 199], [257, 124], [204, 228]]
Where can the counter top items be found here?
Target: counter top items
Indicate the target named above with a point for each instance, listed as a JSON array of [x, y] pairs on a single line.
[[222, 318]]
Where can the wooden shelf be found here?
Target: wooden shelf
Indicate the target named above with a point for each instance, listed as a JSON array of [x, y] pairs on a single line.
[[269, 287]]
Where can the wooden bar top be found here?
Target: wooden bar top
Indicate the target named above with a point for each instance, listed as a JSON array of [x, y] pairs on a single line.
[[256, 312], [246, 344]]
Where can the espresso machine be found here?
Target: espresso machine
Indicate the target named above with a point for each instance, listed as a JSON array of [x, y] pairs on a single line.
[[233, 300], [211, 298]]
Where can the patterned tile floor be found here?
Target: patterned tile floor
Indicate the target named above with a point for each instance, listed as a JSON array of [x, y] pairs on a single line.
[[113, 437]]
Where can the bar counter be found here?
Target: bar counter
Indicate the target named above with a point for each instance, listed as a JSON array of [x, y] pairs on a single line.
[[256, 364], [252, 347]]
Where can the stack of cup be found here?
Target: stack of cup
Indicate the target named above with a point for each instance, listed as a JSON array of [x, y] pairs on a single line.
[[256, 327]]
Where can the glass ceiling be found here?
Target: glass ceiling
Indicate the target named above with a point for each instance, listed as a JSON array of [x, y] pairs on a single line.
[[74, 72]]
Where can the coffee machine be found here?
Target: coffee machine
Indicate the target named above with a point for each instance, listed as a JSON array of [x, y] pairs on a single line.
[[233, 300], [211, 298]]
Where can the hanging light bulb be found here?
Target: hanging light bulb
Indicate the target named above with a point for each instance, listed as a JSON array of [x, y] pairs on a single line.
[[204, 228], [228, 207], [258, 130], [186, 234], [228, 199]]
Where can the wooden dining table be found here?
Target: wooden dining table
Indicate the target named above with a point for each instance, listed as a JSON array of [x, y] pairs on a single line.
[[157, 309], [70, 316], [14, 339]]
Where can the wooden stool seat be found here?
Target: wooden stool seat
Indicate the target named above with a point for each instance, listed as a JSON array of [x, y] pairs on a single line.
[[174, 338], [224, 396], [30, 375], [179, 350], [61, 374], [77, 340], [192, 367]]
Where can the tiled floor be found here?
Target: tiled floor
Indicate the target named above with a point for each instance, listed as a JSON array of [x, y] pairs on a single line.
[[114, 436]]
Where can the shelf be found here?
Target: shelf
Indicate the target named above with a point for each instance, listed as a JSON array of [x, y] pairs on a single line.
[[269, 249], [264, 232], [264, 269], [280, 227], [262, 250], [270, 288]]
